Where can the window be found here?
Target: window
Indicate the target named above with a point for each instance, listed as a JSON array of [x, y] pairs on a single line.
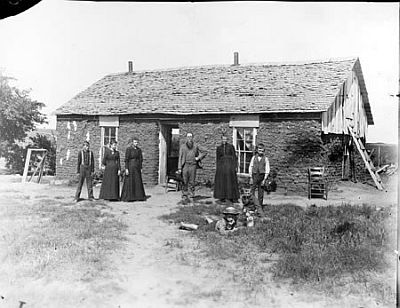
[[244, 139], [109, 134]]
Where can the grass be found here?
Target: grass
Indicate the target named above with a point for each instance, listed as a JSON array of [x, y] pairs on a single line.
[[49, 240], [337, 250]]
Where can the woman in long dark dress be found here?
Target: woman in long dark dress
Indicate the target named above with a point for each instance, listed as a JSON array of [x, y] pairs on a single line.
[[226, 183], [133, 189], [110, 186]]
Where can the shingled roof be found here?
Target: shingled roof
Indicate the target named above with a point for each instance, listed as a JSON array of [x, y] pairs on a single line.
[[239, 89]]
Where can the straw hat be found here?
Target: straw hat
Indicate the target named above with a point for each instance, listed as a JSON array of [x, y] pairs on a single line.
[[231, 210]]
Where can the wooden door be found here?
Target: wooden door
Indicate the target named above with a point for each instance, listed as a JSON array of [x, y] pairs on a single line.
[[162, 170]]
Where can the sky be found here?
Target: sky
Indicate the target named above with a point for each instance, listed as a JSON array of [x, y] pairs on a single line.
[[58, 48]]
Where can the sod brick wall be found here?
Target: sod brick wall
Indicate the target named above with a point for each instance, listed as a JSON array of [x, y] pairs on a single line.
[[70, 137], [292, 146], [71, 134]]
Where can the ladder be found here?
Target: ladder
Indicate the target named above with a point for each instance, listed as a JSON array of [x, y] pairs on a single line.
[[38, 164], [367, 160]]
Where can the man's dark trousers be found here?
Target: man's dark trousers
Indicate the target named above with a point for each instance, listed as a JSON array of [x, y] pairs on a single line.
[[189, 179], [257, 180], [85, 173]]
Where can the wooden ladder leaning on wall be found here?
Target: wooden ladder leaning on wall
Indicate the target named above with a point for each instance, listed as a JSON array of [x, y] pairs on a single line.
[[367, 160]]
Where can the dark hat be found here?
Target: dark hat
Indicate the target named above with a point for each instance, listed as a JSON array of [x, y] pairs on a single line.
[[231, 210]]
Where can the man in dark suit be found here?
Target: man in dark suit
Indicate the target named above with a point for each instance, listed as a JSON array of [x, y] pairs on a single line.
[[85, 171], [190, 155]]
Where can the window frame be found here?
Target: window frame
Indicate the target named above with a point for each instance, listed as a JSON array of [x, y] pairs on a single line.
[[238, 151], [102, 134]]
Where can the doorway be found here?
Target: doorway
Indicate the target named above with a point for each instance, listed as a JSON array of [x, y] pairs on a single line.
[[169, 150]]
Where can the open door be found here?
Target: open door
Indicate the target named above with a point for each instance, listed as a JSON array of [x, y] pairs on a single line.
[[169, 150]]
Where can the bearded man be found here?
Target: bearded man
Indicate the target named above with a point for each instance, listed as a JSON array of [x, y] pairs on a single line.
[[190, 155]]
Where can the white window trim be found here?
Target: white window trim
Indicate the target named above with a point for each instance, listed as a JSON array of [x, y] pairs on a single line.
[[110, 121], [235, 143]]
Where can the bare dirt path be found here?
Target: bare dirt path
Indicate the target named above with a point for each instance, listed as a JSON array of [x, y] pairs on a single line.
[[162, 266]]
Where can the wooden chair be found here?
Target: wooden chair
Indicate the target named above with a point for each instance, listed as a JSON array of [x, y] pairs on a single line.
[[173, 181], [317, 184]]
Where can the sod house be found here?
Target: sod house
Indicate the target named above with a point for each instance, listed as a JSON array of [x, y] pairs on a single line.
[[300, 111]]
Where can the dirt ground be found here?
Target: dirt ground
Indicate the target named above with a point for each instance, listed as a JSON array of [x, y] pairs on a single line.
[[162, 266]]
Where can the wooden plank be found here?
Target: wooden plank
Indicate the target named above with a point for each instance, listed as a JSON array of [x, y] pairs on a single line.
[[244, 121], [367, 160], [109, 121], [27, 163], [39, 168], [384, 168], [324, 122], [27, 159], [42, 168], [163, 154]]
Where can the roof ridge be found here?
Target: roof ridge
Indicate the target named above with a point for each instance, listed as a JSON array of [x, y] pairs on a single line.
[[278, 63]]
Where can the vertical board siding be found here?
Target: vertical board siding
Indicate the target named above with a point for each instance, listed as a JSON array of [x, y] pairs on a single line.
[[348, 104]]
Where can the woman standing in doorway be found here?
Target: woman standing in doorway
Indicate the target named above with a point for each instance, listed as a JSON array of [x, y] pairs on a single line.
[[110, 186], [133, 189]]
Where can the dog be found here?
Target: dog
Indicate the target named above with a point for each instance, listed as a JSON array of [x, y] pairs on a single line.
[[247, 199], [270, 184]]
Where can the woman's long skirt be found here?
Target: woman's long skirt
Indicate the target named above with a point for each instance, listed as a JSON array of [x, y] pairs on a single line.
[[226, 183], [133, 189], [110, 186]]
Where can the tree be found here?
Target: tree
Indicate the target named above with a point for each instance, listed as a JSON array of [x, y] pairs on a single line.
[[16, 154], [19, 114], [41, 141]]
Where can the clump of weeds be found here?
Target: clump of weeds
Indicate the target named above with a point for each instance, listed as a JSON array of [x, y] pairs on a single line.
[[327, 248]]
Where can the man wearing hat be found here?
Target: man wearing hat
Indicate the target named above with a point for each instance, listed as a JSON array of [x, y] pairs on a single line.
[[229, 222]]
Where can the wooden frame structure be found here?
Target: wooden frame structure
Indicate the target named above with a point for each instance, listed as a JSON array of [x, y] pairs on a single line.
[[367, 160], [317, 184], [39, 165]]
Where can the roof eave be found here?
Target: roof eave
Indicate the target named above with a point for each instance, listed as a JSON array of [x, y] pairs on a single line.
[[194, 113]]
